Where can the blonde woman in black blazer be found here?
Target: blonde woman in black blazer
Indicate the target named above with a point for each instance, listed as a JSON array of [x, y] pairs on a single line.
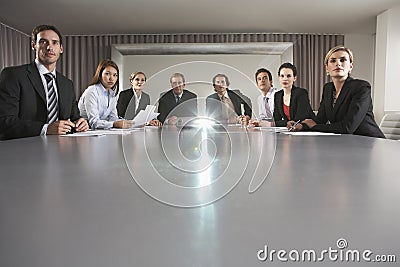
[[346, 105], [291, 103], [126, 105]]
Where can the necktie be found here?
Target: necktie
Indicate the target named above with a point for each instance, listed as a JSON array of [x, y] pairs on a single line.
[[268, 112], [229, 109], [52, 107], [178, 100]]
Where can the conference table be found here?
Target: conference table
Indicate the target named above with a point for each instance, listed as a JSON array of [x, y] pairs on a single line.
[[222, 195]]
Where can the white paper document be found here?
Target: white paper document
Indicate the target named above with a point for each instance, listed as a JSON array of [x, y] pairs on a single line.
[[309, 133], [87, 133], [145, 116], [273, 129]]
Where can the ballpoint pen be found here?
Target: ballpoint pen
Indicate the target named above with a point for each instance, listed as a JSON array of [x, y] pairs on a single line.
[[294, 125]]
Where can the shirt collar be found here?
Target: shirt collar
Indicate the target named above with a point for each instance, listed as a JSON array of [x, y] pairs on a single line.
[[100, 87], [42, 69], [180, 96], [136, 96], [271, 91], [225, 95]]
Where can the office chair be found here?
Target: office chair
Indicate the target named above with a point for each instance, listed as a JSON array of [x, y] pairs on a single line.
[[390, 126]]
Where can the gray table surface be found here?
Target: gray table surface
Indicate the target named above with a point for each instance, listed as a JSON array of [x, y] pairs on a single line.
[[182, 197]]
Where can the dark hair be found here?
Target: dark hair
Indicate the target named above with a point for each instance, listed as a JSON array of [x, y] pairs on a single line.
[[264, 70], [97, 76], [221, 75], [41, 28], [288, 65]]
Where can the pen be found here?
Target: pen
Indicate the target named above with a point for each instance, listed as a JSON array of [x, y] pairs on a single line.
[[294, 125]]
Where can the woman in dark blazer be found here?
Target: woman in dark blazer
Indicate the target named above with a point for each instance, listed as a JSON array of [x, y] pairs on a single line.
[[127, 106], [291, 103], [346, 105]]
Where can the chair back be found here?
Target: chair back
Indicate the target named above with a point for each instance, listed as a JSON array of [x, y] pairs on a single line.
[[390, 126]]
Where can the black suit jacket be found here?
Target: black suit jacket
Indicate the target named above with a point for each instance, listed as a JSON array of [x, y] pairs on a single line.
[[300, 107], [352, 113], [126, 104], [214, 108], [167, 103], [23, 105]]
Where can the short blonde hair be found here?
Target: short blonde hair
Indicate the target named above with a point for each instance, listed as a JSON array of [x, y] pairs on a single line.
[[338, 48], [134, 74]]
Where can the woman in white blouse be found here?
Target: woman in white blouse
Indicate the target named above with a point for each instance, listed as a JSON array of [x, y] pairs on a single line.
[[98, 103]]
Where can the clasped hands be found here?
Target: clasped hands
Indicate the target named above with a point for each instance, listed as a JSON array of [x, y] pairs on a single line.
[[65, 126], [243, 119]]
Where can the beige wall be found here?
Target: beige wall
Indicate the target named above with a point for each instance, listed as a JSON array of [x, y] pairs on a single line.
[[387, 63], [199, 70]]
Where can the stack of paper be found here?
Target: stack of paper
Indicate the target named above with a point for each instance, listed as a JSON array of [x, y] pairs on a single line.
[[145, 116]]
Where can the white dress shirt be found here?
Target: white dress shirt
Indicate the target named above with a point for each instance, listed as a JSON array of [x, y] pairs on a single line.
[[99, 106], [261, 104], [42, 71]]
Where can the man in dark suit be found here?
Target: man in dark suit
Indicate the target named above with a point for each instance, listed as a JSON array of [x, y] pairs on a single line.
[[227, 105], [34, 98], [177, 102]]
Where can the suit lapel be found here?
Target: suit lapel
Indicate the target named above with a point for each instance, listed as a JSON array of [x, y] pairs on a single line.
[[343, 93], [61, 95], [34, 77], [329, 100], [142, 102], [184, 96], [292, 102], [279, 103], [130, 108], [172, 98], [234, 101]]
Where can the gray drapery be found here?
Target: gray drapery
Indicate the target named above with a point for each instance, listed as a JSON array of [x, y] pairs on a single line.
[[15, 47], [83, 53]]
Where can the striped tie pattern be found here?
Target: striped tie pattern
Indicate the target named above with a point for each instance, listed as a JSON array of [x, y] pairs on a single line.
[[52, 107], [268, 112]]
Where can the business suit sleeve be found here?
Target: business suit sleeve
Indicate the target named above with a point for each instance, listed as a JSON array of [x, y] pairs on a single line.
[[68, 106], [280, 118], [122, 103], [162, 109], [213, 106], [195, 111], [247, 106], [321, 117], [11, 125], [189, 102], [356, 110], [302, 105], [146, 100]]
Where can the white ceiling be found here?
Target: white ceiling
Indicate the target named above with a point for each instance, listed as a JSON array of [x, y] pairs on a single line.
[[86, 17]]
